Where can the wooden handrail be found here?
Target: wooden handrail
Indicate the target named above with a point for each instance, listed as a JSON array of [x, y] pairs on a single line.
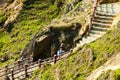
[[93, 14], [15, 69]]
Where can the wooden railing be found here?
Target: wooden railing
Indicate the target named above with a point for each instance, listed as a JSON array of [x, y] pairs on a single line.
[[25, 67], [93, 13]]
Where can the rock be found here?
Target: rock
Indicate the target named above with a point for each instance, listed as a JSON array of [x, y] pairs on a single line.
[[43, 45], [47, 43]]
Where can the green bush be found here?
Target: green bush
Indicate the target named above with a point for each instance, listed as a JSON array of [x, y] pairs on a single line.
[[117, 74]]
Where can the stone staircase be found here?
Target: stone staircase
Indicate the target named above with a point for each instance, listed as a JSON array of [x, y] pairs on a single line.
[[100, 25]]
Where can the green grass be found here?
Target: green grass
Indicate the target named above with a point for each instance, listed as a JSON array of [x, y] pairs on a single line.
[[78, 65], [117, 74], [2, 18], [32, 18]]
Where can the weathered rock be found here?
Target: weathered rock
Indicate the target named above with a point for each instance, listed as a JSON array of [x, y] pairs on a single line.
[[42, 47], [47, 43]]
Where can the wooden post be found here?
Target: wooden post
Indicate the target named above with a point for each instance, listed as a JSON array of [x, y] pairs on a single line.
[[90, 23], [19, 64], [93, 15], [12, 74], [55, 59], [39, 63], [31, 59], [25, 68], [6, 70], [95, 7]]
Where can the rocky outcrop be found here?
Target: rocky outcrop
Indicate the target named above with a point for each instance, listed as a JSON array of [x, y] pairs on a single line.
[[46, 44]]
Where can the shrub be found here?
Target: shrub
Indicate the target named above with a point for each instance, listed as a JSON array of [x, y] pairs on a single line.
[[117, 74]]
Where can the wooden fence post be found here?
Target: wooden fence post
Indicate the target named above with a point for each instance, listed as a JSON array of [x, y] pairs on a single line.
[[6, 73], [6, 70], [39, 63], [25, 68], [12, 74], [55, 59], [19, 64], [90, 23]]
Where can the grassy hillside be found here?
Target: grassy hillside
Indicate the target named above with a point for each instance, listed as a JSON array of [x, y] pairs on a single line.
[[79, 64], [31, 19]]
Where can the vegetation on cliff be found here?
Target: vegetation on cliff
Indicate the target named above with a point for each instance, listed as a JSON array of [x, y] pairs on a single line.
[[78, 65], [31, 19]]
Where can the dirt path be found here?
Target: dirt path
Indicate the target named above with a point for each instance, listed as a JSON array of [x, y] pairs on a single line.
[[112, 64]]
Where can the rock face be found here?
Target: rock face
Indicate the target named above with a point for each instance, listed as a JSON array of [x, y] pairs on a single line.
[[46, 44], [42, 46]]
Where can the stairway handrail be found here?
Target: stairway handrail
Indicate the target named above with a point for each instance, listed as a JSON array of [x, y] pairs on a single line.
[[93, 14], [19, 69]]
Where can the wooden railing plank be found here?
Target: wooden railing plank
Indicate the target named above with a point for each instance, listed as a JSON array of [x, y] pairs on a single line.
[[18, 70]]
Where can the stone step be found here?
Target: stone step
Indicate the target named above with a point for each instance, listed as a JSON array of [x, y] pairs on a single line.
[[103, 18], [106, 9], [101, 14], [88, 40], [102, 21], [99, 29], [105, 13], [101, 25], [95, 35], [97, 32]]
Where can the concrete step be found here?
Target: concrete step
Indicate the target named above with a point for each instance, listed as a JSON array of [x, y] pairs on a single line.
[[85, 41], [103, 18], [88, 39], [99, 29], [95, 35], [102, 21], [97, 32], [101, 25], [100, 13], [106, 9]]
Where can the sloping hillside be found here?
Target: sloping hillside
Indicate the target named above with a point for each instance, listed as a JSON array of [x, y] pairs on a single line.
[[31, 19], [22, 19], [81, 63]]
